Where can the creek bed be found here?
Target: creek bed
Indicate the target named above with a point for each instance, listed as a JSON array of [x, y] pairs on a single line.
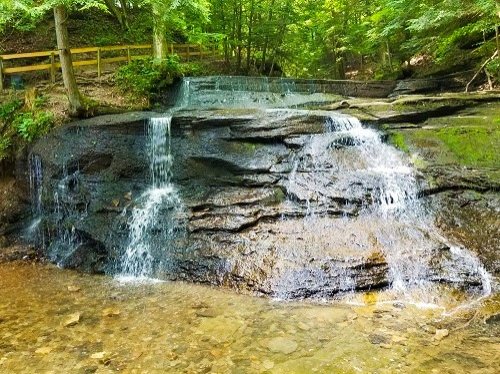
[[60, 321]]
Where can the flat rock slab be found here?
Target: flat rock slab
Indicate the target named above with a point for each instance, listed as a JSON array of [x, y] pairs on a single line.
[[282, 345]]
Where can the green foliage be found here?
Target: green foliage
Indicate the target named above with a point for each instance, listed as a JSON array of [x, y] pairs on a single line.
[[8, 110], [398, 140], [473, 146], [5, 143], [146, 77], [32, 125], [304, 38], [19, 126], [493, 67]]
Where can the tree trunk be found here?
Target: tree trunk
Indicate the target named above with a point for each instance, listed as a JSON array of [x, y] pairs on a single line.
[[266, 38], [76, 107], [117, 12], [239, 35], [124, 9], [250, 30], [497, 37], [159, 35], [389, 55]]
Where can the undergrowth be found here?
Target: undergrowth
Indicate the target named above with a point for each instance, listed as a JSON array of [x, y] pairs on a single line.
[[144, 79], [21, 124]]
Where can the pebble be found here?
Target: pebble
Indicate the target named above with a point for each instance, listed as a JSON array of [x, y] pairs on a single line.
[[72, 319], [73, 288], [98, 355], [43, 350], [398, 339], [303, 326], [268, 365], [282, 345], [441, 334], [399, 305], [207, 313], [379, 339], [111, 312]]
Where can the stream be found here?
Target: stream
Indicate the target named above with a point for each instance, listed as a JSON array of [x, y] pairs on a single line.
[[179, 327]]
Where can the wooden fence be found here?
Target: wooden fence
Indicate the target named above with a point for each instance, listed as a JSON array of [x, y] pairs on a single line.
[[100, 56]]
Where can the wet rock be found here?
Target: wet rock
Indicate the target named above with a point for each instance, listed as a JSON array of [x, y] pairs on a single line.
[[379, 339], [111, 312], [267, 364], [471, 218], [77, 249], [98, 355], [282, 345], [43, 350], [72, 319], [303, 326], [207, 313], [493, 319], [399, 339], [18, 252], [399, 305], [89, 369], [221, 329], [244, 224], [13, 204], [441, 334]]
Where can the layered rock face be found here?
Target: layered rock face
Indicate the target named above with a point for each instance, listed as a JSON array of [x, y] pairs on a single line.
[[282, 202]]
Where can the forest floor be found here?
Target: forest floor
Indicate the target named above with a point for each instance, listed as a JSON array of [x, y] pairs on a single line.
[[103, 94]]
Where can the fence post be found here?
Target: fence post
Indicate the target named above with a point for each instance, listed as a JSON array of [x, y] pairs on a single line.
[[171, 48], [201, 52], [128, 54], [52, 68], [99, 69], [1, 74], [188, 53]]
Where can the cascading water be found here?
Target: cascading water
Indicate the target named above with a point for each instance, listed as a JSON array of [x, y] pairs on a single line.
[[36, 178], [68, 195], [150, 231], [36, 189], [254, 92], [350, 161]]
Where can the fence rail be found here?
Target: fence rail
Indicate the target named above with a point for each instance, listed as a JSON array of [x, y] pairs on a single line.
[[125, 53]]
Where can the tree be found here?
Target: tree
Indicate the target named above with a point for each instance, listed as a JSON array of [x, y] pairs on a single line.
[[76, 106], [168, 13], [31, 11]]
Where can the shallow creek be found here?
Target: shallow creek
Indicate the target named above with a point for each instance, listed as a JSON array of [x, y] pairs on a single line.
[[59, 321]]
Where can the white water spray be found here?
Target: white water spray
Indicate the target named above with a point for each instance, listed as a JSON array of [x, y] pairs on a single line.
[[351, 161], [150, 231]]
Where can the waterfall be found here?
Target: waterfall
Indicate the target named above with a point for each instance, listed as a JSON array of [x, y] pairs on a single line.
[[153, 221], [254, 92], [36, 189], [36, 178], [68, 211], [351, 161]]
